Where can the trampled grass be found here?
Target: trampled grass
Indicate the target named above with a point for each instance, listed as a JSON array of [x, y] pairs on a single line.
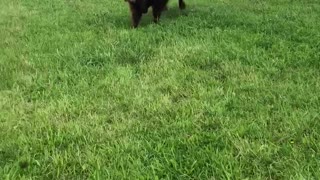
[[224, 90]]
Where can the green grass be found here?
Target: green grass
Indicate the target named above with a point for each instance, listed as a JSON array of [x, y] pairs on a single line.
[[225, 90]]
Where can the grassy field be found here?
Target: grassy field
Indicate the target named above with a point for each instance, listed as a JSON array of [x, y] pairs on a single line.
[[225, 90]]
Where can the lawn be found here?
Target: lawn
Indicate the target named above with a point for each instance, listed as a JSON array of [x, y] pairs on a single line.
[[223, 90]]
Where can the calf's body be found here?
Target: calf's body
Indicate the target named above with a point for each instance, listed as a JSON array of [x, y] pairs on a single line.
[[139, 7]]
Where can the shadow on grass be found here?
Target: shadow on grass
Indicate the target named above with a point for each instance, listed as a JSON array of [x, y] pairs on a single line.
[[108, 21], [123, 21], [200, 17], [131, 48]]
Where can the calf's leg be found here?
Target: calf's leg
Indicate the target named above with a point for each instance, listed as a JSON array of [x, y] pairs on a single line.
[[136, 16], [156, 14], [182, 5]]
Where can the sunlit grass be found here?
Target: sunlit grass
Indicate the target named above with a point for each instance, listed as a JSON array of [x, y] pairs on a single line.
[[223, 90]]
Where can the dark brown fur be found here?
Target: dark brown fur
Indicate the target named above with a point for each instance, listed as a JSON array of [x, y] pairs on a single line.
[[139, 7]]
